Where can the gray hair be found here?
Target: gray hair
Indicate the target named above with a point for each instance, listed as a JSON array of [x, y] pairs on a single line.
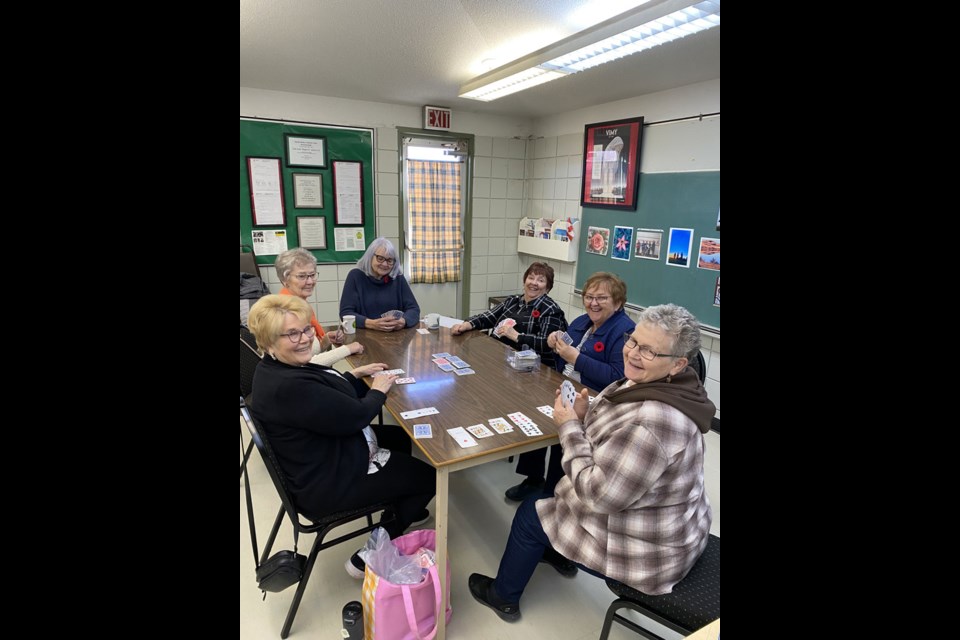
[[365, 263], [678, 323], [290, 260]]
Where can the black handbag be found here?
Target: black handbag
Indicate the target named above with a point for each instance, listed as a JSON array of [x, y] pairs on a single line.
[[281, 570], [284, 568]]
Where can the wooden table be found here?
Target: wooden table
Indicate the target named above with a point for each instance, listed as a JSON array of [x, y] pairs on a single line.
[[493, 391]]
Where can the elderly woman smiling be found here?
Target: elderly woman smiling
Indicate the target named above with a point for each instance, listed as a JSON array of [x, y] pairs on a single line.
[[376, 286], [297, 270], [632, 504]]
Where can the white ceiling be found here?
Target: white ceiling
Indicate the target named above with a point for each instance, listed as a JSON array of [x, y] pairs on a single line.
[[418, 52]]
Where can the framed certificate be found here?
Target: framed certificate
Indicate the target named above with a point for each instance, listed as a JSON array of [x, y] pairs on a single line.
[[305, 151], [312, 232], [307, 191]]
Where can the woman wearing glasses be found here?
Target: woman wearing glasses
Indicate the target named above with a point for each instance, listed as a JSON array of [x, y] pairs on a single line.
[[297, 270], [376, 286], [594, 359], [632, 504], [318, 422]]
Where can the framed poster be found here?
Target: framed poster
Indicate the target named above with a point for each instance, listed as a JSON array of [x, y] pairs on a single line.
[[307, 191], [312, 232], [305, 151], [611, 164], [266, 191], [348, 192]]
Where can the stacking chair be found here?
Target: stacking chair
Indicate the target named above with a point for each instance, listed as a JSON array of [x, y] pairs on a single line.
[[321, 526], [249, 359], [248, 261], [693, 603], [700, 366]]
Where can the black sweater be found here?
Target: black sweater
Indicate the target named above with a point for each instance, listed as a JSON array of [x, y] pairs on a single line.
[[314, 420]]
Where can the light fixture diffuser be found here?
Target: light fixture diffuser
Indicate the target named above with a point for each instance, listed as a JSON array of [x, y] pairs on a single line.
[[630, 32]]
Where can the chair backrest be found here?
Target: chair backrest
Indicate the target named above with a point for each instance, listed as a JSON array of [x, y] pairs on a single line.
[[248, 261], [700, 366], [249, 359], [273, 467]]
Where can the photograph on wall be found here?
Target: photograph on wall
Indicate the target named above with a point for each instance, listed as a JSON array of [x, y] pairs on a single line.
[[678, 247], [709, 254], [597, 240], [648, 243], [716, 293], [622, 239], [611, 164]]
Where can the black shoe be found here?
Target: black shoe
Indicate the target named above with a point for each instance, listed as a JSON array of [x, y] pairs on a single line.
[[524, 490], [421, 517], [564, 567], [481, 588]]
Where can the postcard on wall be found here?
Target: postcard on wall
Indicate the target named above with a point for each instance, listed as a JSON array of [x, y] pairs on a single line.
[[709, 254], [349, 239], [678, 247], [716, 294], [648, 243], [269, 242], [622, 239], [597, 240]]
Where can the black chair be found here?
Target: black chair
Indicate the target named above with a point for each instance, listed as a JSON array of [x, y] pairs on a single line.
[[249, 359], [700, 366], [693, 603], [321, 526]]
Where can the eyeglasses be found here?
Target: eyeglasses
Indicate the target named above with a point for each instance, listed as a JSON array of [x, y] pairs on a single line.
[[597, 299], [303, 277], [383, 260], [646, 352], [294, 334]]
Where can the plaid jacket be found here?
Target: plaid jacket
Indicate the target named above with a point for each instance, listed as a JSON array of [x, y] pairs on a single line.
[[632, 504], [535, 321]]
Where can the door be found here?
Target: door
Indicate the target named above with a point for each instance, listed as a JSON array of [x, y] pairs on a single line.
[[435, 177]]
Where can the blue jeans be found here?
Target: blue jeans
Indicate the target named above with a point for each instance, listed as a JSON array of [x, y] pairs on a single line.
[[524, 549]]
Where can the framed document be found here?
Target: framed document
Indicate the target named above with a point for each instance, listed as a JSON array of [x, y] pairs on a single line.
[[305, 151], [348, 192], [611, 164], [307, 191], [312, 231], [266, 191]]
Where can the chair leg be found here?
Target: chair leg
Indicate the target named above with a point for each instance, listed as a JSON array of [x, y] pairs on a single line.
[[273, 535], [295, 605], [246, 456], [612, 616]]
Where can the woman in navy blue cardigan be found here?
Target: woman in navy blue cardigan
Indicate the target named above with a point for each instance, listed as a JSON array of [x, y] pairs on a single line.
[[594, 359], [376, 286]]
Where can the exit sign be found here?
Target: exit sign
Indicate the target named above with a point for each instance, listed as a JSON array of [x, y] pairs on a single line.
[[436, 118]]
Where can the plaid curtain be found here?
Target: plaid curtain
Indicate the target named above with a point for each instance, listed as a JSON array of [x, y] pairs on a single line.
[[433, 206]]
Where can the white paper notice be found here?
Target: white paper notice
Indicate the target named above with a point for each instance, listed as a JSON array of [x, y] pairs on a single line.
[[266, 189], [346, 177], [349, 239], [268, 242]]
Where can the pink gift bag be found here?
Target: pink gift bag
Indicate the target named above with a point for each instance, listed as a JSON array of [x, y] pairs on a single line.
[[404, 611]]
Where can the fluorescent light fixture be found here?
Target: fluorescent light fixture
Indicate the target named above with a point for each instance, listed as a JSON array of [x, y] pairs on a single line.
[[630, 32]]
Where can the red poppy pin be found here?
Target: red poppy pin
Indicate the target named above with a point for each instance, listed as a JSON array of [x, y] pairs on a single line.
[[535, 314], [598, 347]]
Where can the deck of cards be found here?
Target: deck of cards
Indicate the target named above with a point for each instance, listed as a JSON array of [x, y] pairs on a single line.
[[393, 313]]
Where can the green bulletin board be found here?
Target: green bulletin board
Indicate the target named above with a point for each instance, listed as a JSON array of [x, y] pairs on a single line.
[[265, 139], [680, 200]]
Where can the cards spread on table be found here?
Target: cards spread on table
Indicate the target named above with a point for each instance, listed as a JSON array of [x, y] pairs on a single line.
[[565, 337], [480, 431], [464, 372], [546, 410], [389, 372], [527, 426], [463, 438], [404, 381], [422, 431], [393, 313], [419, 413], [500, 425]]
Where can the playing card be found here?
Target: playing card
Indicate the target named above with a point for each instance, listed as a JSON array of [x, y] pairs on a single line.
[[445, 367], [440, 361], [463, 438], [480, 431], [547, 410], [404, 381], [464, 372], [423, 331], [389, 372], [500, 425], [441, 355], [568, 393], [459, 364], [422, 431], [393, 313], [565, 337], [506, 323], [532, 430], [418, 413]]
